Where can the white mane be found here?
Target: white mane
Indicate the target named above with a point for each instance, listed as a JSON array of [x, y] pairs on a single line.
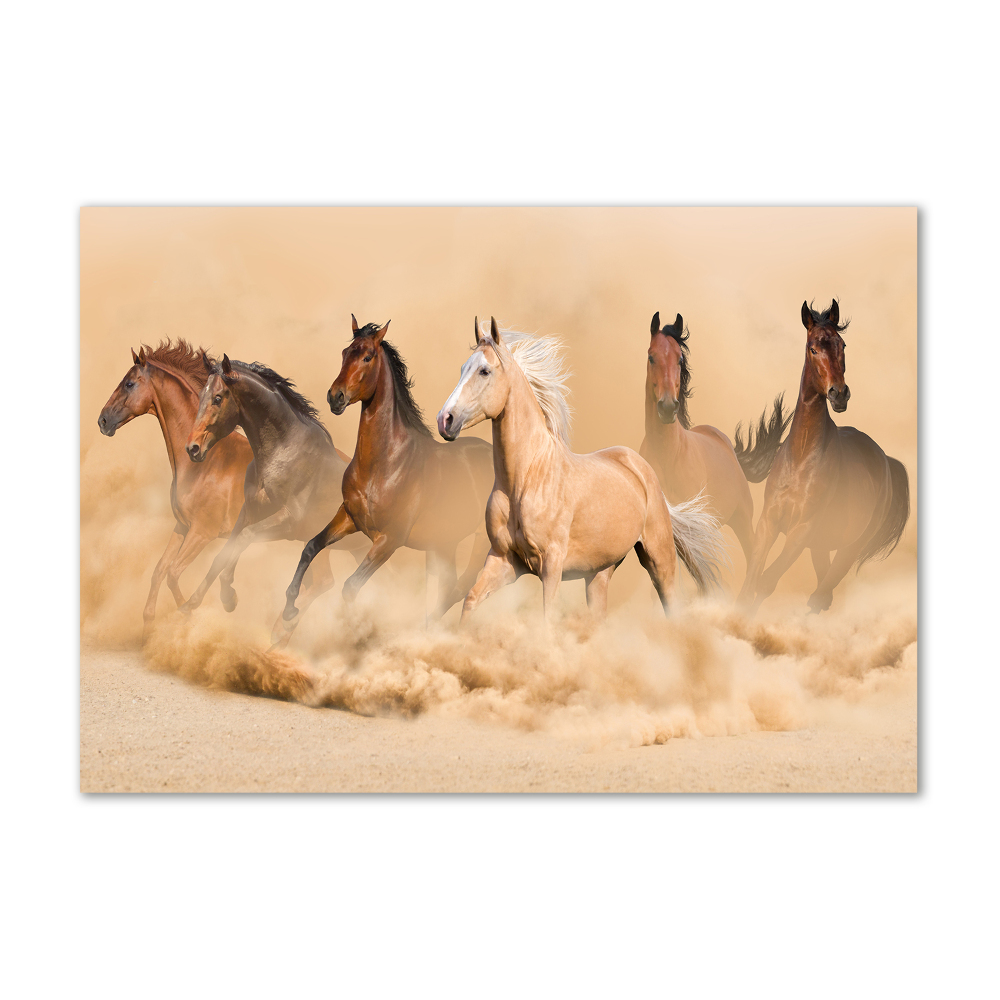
[[544, 366]]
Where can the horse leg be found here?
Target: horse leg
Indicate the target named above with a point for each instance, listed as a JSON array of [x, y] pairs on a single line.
[[795, 542], [447, 576], [742, 524], [149, 611], [497, 572], [194, 542], [597, 592], [821, 564], [480, 550], [551, 574], [318, 580], [822, 597], [767, 532], [661, 571], [341, 526], [382, 547], [262, 530]]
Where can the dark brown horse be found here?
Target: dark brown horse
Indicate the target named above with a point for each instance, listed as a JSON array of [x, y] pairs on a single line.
[[831, 488], [204, 499], [294, 479], [690, 459], [402, 487]]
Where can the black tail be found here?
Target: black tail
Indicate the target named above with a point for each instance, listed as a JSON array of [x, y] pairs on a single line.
[[891, 529], [755, 459]]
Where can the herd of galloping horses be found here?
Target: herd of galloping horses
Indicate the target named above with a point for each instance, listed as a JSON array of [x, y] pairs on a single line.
[[533, 505]]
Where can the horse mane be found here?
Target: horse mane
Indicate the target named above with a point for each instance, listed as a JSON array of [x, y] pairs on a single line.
[[285, 387], [181, 358], [409, 412], [685, 391], [542, 359], [823, 319]]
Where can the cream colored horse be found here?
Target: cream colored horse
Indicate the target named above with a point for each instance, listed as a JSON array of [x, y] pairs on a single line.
[[553, 513]]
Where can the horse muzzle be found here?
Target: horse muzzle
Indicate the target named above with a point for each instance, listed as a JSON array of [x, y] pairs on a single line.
[[196, 452], [337, 401], [666, 410], [108, 425], [838, 398], [448, 426]]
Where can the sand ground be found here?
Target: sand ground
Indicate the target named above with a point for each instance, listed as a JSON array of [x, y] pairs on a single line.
[[143, 731]]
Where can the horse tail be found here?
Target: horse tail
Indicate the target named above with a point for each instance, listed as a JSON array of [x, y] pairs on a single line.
[[886, 538], [756, 458], [698, 540]]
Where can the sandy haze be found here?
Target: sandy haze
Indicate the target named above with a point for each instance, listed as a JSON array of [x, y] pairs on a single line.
[[366, 697]]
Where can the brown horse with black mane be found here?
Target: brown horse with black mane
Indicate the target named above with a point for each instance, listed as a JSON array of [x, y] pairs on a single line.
[[293, 481], [402, 488], [688, 460], [830, 488], [204, 499]]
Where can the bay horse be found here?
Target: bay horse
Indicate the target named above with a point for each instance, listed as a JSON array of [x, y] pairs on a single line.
[[294, 478], [688, 460], [556, 514], [401, 488], [830, 488], [205, 499]]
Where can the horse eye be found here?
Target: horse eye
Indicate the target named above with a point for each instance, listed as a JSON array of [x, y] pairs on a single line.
[[812, 350], [130, 385], [217, 401], [484, 372], [370, 356], [651, 361]]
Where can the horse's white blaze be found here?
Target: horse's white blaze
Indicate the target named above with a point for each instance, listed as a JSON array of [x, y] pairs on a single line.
[[468, 412]]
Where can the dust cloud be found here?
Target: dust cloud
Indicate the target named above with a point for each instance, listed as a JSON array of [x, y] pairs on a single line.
[[279, 286]]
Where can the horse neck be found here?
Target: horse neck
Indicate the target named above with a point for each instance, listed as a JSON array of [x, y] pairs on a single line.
[[381, 431], [264, 415], [176, 407], [811, 419], [519, 433], [668, 440]]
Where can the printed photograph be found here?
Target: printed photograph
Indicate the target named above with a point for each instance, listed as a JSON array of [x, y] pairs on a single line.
[[512, 500]]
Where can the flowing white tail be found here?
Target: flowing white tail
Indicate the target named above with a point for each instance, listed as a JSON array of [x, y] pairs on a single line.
[[698, 540]]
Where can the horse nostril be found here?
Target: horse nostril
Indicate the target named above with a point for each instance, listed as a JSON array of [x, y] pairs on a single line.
[[448, 420]]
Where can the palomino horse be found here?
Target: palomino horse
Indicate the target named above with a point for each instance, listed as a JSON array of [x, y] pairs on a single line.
[[830, 488], [295, 476], [553, 513], [204, 499], [688, 460], [402, 488]]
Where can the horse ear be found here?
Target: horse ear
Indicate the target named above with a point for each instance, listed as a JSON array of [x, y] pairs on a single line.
[[835, 313], [807, 316], [142, 357], [654, 326], [227, 366], [354, 324], [494, 331], [206, 362], [679, 325], [135, 357], [379, 334], [478, 331]]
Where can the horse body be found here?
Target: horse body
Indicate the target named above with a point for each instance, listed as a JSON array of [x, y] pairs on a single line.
[[554, 513], [830, 489], [689, 460], [296, 474], [401, 488], [205, 499]]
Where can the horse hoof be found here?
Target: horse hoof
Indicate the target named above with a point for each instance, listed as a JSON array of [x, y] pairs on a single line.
[[289, 613], [230, 604]]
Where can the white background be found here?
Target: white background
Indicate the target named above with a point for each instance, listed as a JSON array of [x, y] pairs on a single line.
[[514, 103]]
